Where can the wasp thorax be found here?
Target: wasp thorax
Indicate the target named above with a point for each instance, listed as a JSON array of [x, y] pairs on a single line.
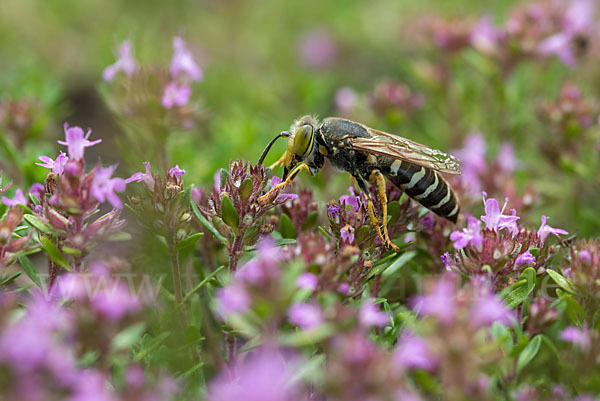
[[303, 140]]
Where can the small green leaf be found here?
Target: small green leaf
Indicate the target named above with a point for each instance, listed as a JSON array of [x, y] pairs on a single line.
[[228, 213], [71, 251], [128, 337], [560, 280], [520, 293], [286, 228], [189, 242], [10, 279], [119, 236], [207, 224], [246, 189], [151, 345], [192, 335], [54, 254], [31, 271], [393, 211], [311, 221], [42, 227], [528, 353]]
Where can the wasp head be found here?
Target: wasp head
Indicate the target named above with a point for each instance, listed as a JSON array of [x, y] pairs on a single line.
[[300, 143]]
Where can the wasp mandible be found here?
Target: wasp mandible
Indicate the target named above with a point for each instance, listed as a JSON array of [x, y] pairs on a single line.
[[369, 155]]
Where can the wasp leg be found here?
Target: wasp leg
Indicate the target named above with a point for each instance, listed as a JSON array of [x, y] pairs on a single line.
[[380, 181], [273, 192], [371, 210], [278, 162]]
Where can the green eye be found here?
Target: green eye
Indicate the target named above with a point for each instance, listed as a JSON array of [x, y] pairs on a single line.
[[303, 140]]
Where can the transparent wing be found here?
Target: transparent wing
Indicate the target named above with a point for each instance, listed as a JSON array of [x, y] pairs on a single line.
[[388, 145]]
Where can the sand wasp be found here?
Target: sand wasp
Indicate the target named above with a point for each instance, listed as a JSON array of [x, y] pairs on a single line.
[[369, 155]]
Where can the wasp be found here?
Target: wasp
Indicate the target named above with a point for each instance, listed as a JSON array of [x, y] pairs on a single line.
[[369, 156]]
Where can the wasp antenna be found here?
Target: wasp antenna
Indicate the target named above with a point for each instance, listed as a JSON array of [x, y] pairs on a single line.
[[284, 134]]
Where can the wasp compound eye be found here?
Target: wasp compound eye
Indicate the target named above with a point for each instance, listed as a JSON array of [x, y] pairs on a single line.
[[303, 140]]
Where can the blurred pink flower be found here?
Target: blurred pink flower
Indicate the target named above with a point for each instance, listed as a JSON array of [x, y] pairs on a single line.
[[506, 158], [345, 99], [307, 281], [19, 199], [581, 338], [306, 316], [546, 230], [369, 315], [76, 142], [103, 187], [525, 258], [471, 234], [176, 95], [183, 62], [347, 234], [472, 159], [125, 63], [411, 352], [487, 309], [233, 299], [440, 302], [316, 49]]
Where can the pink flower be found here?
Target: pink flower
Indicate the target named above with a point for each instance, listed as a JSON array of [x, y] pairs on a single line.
[[506, 158], [57, 166], [316, 49], [183, 62], [233, 299], [412, 352], [125, 63], [307, 281], [347, 234], [546, 230], [176, 172], [283, 196], [345, 99], [103, 186], [525, 258], [19, 199], [581, 338], [37, 189], [176, 95], [440, 302], [471, 234], [446, 260], [489, 309], [115, 303], [472, 158], [306, 316], [495, 219], [485, 36], [146, 177], [369, 315], [76, 142]]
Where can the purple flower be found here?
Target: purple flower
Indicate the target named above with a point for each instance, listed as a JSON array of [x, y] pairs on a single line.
[[412, 352], [57, 166], [525, 258], [306, 316], [472, 158], [345, 99], [350, 200], [446, 259], [19, 199], [176, 172], [264, 376], [183, 62], [581, 338], [176, 95], [369, 315], [77, 142], [281, 197], [103, 186], [307, 281], [440, 302], [334, 211], [489, 309], [585, 256], [37, 189], [495, 219], [485, 36], [146, 177], [125, 63], [233, 299], [347, 234], [264, 267], [471, 234], [546, 230], [316, 49]]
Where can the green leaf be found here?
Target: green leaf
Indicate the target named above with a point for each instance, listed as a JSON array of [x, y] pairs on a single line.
[[246, 189], [560, 280], [71, 251], [54, 254], [189, 242], [207, 224], [520, 293], [393, 267], [528, 353], [286, 228], [128, 337], [31, 271], [120, 236], [10, 279], [228, 213], [151, 345], [311, 221], [42, 227]]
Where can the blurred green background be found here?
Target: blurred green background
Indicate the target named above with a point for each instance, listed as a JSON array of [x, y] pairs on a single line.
[[258, 79]]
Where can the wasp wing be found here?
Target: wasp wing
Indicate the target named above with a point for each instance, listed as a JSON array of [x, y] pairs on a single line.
[[388, 145]]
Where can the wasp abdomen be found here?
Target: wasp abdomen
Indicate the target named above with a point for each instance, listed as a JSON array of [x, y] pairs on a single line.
[[426, 186]]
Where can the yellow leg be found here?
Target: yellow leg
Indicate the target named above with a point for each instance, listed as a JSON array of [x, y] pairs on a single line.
[[380, 181], [278, 162], [373, 218], [273, 192]]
